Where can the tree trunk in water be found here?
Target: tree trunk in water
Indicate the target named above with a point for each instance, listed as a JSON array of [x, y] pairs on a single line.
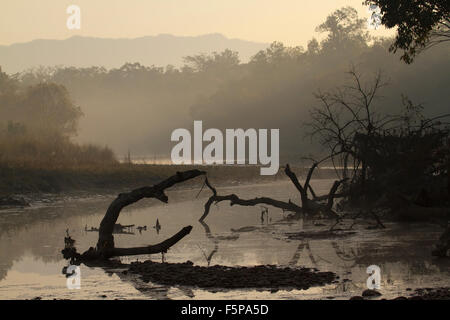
[[105, 245]]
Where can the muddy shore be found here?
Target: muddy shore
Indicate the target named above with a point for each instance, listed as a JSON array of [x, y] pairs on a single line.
[[266, 277]]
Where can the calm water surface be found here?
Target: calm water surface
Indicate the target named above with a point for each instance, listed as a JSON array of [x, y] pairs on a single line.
[[31, 240]]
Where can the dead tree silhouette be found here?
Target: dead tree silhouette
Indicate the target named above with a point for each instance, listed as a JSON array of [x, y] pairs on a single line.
[[105, 247]]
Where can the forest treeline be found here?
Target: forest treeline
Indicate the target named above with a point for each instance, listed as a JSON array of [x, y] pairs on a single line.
[[38, 123], [43, 111], [136, 107]]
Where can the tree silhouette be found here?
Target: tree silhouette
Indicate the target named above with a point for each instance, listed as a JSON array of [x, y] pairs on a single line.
[[420, 24]]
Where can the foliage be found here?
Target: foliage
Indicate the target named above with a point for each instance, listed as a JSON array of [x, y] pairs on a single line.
[[272, 90], [382, 154], [420, 23], [37, 124], [344, 28]]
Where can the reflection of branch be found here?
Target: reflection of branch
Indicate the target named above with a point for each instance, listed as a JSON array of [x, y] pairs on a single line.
[[372, 213], [213, 239], [304, 245], [310, 254], [341, 255], [118, 229], [296, 256], [379, 223], [109, 266]]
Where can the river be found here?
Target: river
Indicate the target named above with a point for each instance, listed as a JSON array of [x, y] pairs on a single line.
[[31, 240]]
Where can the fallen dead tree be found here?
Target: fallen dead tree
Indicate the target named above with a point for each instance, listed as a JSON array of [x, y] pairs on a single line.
[[105, 247], [308, 206]]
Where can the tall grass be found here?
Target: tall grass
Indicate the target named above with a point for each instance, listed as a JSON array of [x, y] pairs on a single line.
[[50, 150]]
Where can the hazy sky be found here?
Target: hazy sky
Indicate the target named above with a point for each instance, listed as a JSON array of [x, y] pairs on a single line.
[[289, 21]]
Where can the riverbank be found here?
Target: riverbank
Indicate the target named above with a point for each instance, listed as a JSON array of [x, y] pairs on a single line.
[[118, 177]]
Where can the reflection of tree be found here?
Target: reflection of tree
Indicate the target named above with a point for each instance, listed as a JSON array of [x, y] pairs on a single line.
[[342, 287], [153, 291], [304, 245], [345, 256], [341, 253], [38, 232], [213, 240], [296, 255], [119, 229]]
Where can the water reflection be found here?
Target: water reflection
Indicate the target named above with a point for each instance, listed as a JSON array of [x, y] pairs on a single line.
[[31, 240], [213, 240]]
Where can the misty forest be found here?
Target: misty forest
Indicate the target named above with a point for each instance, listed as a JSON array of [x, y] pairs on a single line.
[[86, 181]]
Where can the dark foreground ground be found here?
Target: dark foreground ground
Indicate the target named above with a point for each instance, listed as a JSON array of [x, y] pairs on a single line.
[[418, 294], [263, 276]]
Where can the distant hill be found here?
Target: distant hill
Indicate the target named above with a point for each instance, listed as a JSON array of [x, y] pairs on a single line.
[[78, 51]]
